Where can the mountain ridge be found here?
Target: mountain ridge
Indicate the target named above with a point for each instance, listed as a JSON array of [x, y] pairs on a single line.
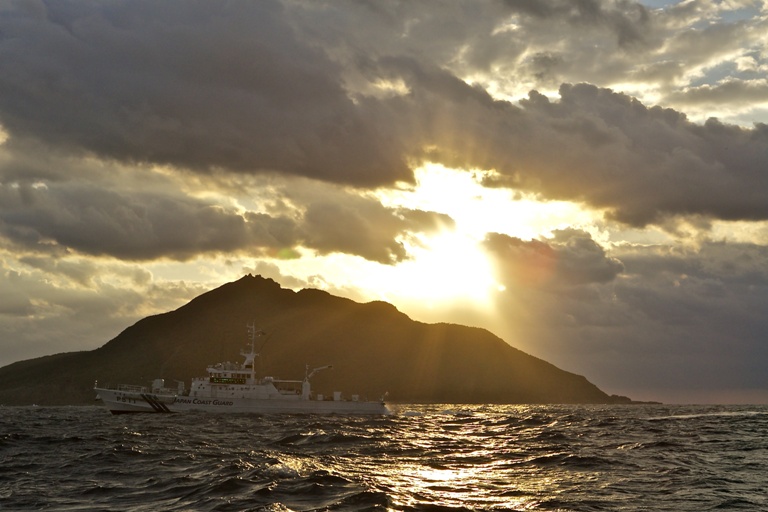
[[373, 347]]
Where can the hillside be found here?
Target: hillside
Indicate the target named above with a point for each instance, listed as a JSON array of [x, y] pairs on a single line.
[[373, 348]]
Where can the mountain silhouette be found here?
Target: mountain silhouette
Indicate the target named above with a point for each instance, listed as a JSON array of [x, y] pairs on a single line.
[[373, 347]]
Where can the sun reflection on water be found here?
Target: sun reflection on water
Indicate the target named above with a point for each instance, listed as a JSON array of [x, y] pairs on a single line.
[[467, 463]]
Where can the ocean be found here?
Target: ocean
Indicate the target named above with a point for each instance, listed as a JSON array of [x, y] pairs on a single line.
[[421, 458]]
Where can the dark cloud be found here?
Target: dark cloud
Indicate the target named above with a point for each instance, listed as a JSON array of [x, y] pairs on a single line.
[[570, 258], [366, 228], [733, 91], [641, 164], [144, 226], [132, 227], [192, 84], [626, 19]]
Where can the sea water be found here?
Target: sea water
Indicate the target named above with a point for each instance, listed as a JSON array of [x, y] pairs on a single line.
[[566, 458]]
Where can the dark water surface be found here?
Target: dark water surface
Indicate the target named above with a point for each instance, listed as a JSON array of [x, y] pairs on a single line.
[[569, 458]]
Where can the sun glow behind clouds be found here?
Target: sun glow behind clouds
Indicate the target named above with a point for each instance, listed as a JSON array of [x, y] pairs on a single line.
[[478, 210], [447, 268], [450, 266]]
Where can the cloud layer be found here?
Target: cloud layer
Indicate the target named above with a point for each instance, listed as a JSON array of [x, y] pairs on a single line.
[[195, 85], [241, 88]]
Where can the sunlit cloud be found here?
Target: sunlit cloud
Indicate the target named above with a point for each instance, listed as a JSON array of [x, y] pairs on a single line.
[[478, 209]]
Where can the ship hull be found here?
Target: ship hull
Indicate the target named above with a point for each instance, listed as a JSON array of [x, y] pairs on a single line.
[[127, 402]]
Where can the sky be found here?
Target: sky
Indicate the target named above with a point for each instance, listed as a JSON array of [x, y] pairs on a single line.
[[588, 180]]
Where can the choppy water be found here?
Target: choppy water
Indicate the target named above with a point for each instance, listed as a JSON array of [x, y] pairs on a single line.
[[579, 458]]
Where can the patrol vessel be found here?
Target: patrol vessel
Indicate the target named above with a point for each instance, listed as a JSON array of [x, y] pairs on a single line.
[[235, 388]]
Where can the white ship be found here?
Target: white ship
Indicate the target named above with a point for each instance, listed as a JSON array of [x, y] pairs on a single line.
[[235, 388]]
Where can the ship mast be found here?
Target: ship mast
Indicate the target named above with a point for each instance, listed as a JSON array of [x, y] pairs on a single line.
[[250, 357]]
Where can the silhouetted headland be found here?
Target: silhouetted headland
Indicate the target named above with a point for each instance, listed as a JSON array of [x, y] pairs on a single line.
[[373, 347]]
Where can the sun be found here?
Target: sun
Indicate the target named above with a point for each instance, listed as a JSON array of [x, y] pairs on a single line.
[[447, 267]]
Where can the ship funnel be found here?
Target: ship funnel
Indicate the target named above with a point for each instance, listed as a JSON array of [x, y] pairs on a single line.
[[157, 385]]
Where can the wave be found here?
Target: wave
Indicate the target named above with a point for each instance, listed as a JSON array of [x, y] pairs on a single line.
[[496, 458]]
